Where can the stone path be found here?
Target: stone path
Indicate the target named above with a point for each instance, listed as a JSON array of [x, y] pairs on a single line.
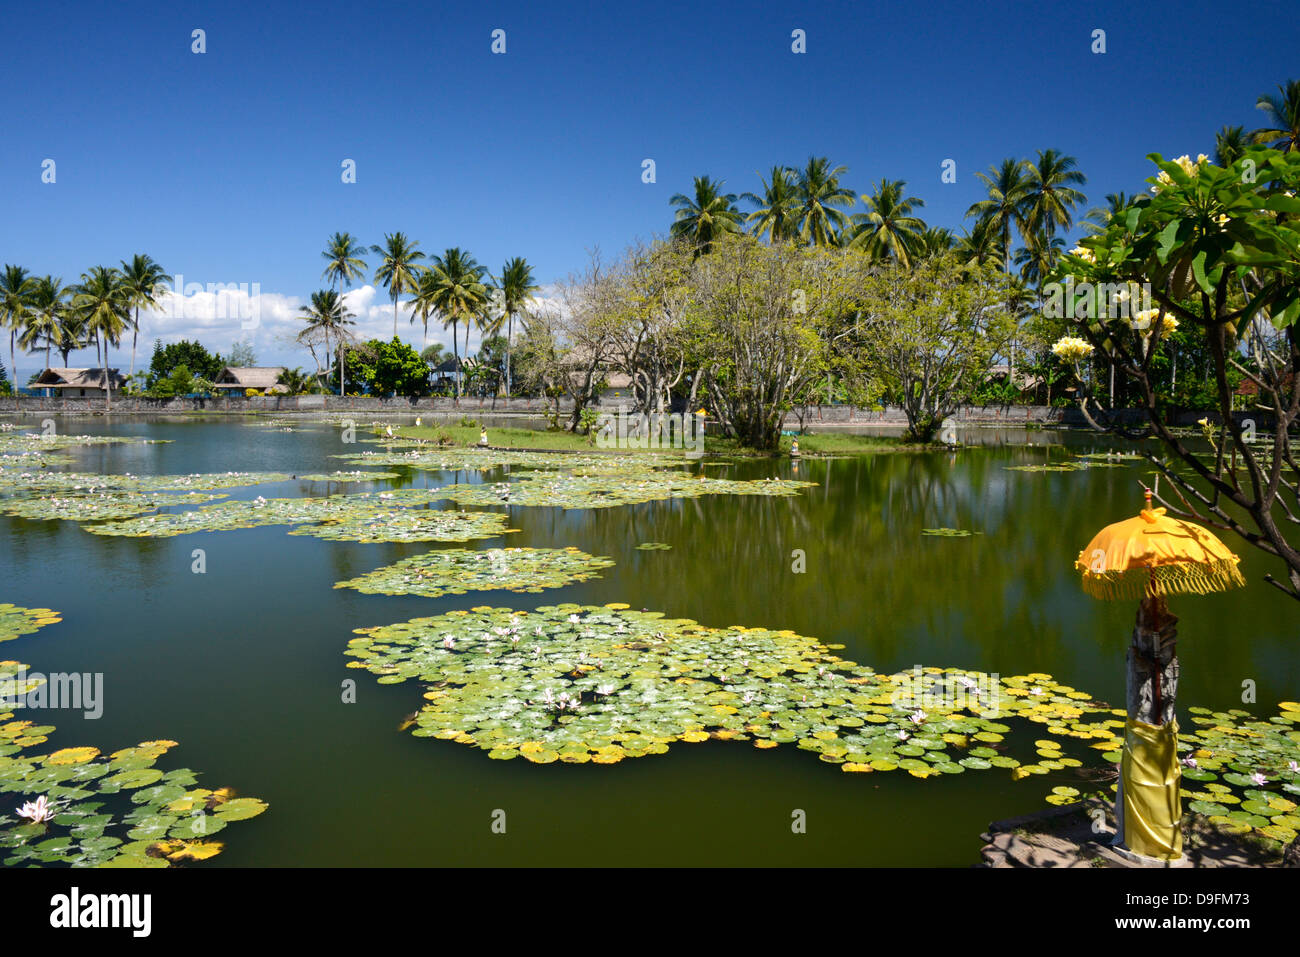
[[1067, 837]]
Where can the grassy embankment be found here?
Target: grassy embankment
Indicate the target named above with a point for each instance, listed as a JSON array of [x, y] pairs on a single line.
[[838, 443]]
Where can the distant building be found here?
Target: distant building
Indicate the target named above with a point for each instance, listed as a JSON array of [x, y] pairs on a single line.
[[240, 378], [78, 383], [1024, 381]]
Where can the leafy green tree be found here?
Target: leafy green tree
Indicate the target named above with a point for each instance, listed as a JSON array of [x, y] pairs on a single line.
[[931, 333], [705, 216], [193, 356], [399, 267], [241, 355], [386, 368], [1219, 249]]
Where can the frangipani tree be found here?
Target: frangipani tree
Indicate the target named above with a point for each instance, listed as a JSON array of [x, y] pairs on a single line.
[[1218, 247]]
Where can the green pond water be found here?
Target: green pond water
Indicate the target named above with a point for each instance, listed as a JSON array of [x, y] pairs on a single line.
[[244, 665]]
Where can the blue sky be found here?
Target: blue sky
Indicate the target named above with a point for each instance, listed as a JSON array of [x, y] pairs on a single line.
[[225, 166]]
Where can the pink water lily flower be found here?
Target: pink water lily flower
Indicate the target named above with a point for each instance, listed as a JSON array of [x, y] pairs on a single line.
[[1189, 762], [38, 811], [1259, 778]]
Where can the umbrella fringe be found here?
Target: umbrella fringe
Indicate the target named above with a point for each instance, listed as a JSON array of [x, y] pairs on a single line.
[[1201, 578]]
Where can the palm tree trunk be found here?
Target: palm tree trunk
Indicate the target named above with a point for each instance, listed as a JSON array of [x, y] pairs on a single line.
[[394, 313], [13, 363], [134, 333], [455, 354], [510, 331]]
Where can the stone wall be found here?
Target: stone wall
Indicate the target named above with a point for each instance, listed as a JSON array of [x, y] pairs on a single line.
[[832, 417]]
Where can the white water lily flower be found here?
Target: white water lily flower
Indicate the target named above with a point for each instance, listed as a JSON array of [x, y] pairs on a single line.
[[38, 811]]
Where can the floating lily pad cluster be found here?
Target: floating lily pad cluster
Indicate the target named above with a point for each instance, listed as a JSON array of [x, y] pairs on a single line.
[[586, 683], [455, 571], [97, 505], [578, 683], [1081, 465], [948, 532], [16, 622], [1244, 773], [86, 809], [357, 476], [356, 518], [653, 547], [599, 489], [460, 458]]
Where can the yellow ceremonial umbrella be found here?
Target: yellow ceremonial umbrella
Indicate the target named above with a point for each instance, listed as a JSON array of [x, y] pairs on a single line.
[[1148, 558]]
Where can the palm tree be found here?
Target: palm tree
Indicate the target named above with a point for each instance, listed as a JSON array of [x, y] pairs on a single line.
[[888, 230], [934, 241], [295, 380], [1230, 144], [1282, 110], [822, 201], [517, 288], [72, 329], [1008, 186], [422, 303], [457, 292], [777, 215], [1098, 217], [328, 315], [140, 278], [1050, 196], [980, 243], [46, 323], [398, 268], [344, 263], [1037, 257], [707, 216], [102, 301], [16, 289]]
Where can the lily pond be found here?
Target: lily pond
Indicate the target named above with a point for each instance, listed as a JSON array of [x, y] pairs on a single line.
[[312, 651]]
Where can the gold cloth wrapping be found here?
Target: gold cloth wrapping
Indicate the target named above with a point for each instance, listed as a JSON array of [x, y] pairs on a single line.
[[1153, 810]]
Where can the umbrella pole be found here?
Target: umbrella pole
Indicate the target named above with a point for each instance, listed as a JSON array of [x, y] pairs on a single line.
[[1151, 692]]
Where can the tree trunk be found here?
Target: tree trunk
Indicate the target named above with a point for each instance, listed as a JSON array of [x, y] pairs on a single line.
[[135, 331], [510, 331], [1152, 684], [455, 355]]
